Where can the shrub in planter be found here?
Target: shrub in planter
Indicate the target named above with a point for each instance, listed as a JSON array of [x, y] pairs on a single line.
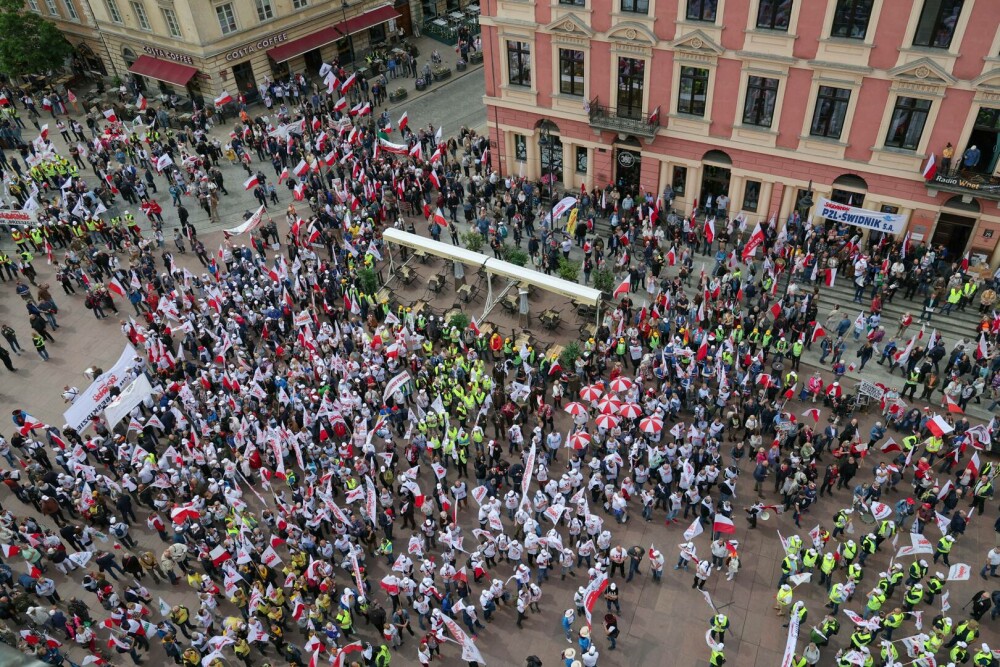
[[461, 65], [460, 321], [569, 270], [473, 241], [476, 57], [441, 73], [421, 84], [569, 355], [515, 255], [369, 280], [604, 280], [398, 94]]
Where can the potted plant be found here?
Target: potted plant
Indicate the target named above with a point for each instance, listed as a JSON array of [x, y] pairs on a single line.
[[569, 355], [476, 57], [473, 241], [569, 270], [421, 83], [460, 321], [515, 255], [461, 65], [440, 72], [604, 280], [368, 280], [397, 94]]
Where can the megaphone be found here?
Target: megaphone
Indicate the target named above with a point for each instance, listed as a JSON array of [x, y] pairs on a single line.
[[764, 515]]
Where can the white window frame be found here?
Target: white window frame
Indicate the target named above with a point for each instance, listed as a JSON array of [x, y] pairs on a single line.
[[227, 11], [140, 16], [265, 10], [113, 11], [173, 25], [52, 7], [682, 18], [71, 10], [33, 6], [300, 4]]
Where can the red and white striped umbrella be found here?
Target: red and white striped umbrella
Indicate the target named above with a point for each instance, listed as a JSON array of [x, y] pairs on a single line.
[[592, 392], [575, 408], [607, 421], [610, 404], [630, 410], [580, 439], [621, 383], [651, 425]]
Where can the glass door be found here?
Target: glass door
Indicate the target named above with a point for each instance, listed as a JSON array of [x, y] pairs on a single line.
[[631, 78]]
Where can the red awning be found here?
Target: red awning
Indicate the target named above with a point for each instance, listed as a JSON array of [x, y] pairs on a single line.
[[367, 20], [163, 70], [297, 47]]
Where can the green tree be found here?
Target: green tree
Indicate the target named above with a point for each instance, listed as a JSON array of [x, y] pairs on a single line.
[[33, 45]]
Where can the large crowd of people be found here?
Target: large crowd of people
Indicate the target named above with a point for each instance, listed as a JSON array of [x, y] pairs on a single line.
[[305, 462]]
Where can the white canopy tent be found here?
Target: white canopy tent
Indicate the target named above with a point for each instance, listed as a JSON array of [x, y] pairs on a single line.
[[491, 266]]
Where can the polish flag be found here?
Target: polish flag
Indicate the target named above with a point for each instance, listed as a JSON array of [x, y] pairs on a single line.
[[223, 99], [416, 151], [435, 180], [141, 103], [624, 287], [316, 124], [10, 550], [829, 275], [974, 465], [44, 132], [4, 101], [671, 256], [439, 218], [750, 249], [702, 349], [723, 524], [283, 175], [952, 406], [30, 424], [475, 327], [930, 167], [982, 349], [349, 82], [938, 426], [341, 104], [403, 120], [710, 230], [299, 192], [301, 169], [818, 332], [365, 109], [890, 445], [812, 412], [965, 262], [250, 183], [110, 115], [219, 555], [116, 287]]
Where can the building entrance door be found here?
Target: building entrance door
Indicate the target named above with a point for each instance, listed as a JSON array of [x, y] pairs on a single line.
[[246, 82], [628, 168], [714, 182], [314, 60], [953, 232]]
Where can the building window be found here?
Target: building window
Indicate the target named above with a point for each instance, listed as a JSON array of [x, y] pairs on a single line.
[[51, 5], [173, 27], [264, 10], [635, 6], [774, 14], [227, 18], [936, 27], [679, 181], [581, 160], [140, 16], [519, 63], [850, 19], [693, 91], [907, 125], [886, 208], [570, 72], [520, 148], [33, 5], [300, 4], [702, 10], [575, 3], [631, 87], [830, 113], [71, 10], [113, 12], [758, 109], [751, 196]]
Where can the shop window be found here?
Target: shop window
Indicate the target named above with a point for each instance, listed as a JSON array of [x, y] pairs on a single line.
[[751, 196], [679, 181], [520, 148], [550, 154], [581, 160], [376, 34], [850, 19]]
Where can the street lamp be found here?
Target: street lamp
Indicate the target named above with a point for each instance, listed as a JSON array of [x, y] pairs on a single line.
[[350, 39]]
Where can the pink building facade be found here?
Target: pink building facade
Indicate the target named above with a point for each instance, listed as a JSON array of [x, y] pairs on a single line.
[[756, 98]]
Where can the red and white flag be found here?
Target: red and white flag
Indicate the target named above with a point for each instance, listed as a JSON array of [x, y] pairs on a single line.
[[348, 82], [110, 115], [812, 412], [251, 183], [723, 524], [930, 167], [141, 103], [403, 120], [756, 238], [829, 275], [710, 230], [624, 287], [818, 332], [938, 426], [223, 99], [952, 405], [116, 287]]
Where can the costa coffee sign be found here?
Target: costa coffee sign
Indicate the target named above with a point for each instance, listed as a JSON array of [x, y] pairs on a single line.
[[169, 55], [259, 45]]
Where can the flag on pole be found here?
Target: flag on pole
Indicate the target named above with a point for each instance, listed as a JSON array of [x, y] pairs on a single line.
[[930, 167]]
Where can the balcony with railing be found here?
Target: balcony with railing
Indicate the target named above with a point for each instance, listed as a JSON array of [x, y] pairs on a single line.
[[606, 118]]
